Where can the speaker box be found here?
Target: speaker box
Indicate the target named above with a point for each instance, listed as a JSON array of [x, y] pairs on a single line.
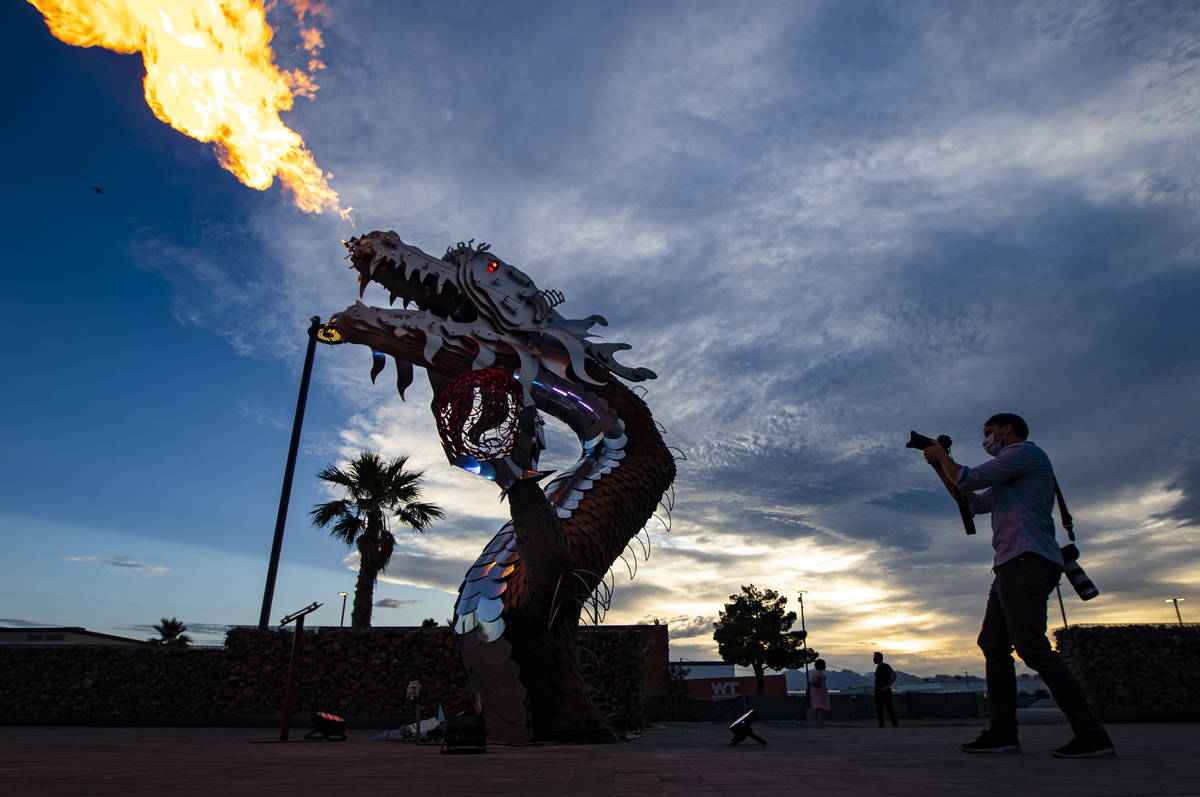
[[465, 734]]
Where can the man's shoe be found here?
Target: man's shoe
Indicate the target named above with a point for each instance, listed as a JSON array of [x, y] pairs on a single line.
[[1092, 745], [991, 742]]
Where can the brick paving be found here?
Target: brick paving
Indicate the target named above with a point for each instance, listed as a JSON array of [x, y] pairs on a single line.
[[675, 758]]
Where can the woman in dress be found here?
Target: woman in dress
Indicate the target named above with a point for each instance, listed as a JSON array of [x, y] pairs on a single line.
[[818, 693]]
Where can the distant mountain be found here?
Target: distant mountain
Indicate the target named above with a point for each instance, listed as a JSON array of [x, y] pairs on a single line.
[[848, 679]]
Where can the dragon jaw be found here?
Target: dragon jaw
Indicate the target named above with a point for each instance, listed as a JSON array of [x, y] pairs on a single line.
[[465, 284], [473, 311]]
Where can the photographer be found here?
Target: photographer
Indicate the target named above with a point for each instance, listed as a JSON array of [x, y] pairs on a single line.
[[1018, 492]]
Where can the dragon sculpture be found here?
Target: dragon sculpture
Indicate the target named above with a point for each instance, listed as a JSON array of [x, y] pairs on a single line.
[[497, 356]]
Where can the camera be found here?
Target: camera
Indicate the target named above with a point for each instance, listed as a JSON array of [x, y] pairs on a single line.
[[1083, 585], [921, 442]]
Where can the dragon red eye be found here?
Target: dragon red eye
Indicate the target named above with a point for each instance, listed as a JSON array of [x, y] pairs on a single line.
[[493, 265]]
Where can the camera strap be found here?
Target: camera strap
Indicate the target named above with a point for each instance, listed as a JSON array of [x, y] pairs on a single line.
[[1067, 523]]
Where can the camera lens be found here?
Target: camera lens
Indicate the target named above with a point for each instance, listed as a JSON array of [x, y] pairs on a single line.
[[1083, 585]]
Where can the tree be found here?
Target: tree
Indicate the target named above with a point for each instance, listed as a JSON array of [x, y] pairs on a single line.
[[753, 632], [429, 622], [378, 492], [170, 632], [676, 680]]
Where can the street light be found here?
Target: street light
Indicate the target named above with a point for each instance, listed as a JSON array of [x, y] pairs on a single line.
[[315, 333], [1176, 601], [343, 622], [804, 631]]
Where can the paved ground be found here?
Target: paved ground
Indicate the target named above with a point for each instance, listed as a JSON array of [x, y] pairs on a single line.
[[670, 759]]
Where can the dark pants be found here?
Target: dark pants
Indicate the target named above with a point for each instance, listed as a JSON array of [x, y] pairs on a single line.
[[883, 699], [1016, 618]]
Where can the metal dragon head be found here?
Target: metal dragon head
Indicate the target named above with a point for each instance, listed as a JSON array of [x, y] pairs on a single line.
[[473, 312]]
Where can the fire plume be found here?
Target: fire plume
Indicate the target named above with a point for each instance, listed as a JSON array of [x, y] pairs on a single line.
[[211, 74]]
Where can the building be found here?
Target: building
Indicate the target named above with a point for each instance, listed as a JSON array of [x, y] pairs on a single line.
[[69, 635], [716, 680]]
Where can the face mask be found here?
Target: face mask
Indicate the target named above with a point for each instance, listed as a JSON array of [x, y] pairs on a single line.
[[991, 445]]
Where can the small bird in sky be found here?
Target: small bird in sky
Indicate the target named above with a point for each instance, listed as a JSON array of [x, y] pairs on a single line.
[[98, 189]]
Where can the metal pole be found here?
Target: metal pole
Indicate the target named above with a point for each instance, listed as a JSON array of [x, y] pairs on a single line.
[[285, 495], [805, 640], [291, 683], [1061, 607], [343, 620]]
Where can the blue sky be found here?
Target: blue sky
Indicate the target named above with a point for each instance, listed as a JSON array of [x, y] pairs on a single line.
[[822, 224]]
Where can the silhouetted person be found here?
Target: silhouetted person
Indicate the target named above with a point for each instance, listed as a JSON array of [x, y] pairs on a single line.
[[818, 693], [885, 676], [1019, 495]]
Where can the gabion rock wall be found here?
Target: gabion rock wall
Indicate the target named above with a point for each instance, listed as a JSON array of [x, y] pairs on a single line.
[[1135, 672], [353, 673], [89, 682]]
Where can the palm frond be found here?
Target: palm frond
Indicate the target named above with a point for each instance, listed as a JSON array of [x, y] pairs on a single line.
[[419, 516], [336, 476], [324, 514], [347, 529]]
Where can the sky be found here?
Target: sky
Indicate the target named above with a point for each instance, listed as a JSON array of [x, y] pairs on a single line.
[[823, 224]]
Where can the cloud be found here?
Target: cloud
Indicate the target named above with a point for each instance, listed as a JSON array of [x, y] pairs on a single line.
[[684, 626], [393, 603], [892, 222], [121, 564], [249, 409], [823, 226]]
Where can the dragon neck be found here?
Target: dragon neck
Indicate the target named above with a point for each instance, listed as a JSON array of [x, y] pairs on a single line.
[[609, 494]]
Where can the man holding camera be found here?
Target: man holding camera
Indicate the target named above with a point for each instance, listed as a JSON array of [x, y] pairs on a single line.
[[1018, 492]]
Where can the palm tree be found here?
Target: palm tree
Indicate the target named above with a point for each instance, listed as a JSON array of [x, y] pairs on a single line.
[[170, 632], [377, 490]]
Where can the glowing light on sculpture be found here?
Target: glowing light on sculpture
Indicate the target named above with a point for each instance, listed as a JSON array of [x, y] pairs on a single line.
[[499, 356], [477, 416]]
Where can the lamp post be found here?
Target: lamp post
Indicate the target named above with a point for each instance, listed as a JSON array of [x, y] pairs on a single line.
[[1176, 601], [289, 469], [343, 621]]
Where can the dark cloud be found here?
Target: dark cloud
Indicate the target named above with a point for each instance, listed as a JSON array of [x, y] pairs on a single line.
[[429, 570], [1187, 511], [393, 603], [121, 564]]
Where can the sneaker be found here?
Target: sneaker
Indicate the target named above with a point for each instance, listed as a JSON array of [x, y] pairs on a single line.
[[992, 742], [1094, 745]]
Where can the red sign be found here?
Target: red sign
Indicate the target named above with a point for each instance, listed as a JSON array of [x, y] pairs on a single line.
[[725, 688]]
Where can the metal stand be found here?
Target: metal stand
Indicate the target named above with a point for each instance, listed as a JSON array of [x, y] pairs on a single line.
[[1061, 607], [291, 682], [413, 693]]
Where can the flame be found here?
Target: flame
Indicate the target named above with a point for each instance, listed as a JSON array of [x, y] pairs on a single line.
[[211, 74]]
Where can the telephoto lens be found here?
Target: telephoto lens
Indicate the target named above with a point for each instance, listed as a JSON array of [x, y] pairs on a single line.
[[1083, 585]]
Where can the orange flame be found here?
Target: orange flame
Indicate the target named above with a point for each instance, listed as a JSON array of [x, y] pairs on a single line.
[[211, 74]]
